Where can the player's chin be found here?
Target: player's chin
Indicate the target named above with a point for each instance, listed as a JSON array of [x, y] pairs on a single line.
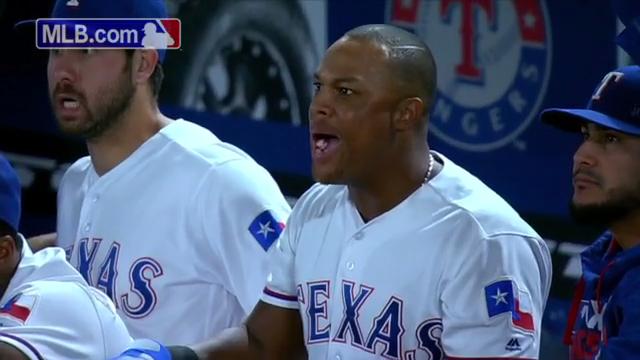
[[326, 175], [581, 202], [586, 197], [73, 127]]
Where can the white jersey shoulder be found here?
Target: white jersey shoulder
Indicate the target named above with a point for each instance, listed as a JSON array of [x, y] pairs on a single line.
[[185, 217], [50, 312], [451, 262]]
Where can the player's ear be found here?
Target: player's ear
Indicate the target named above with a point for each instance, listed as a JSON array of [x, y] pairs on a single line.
[[143, 65], [408, 113], [7, 249]]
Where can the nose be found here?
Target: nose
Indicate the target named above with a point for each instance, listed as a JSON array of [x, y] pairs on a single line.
[[585, 155], [61, 68], [321, 106]]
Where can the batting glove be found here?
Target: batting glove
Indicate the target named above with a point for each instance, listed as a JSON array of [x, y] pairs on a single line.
[[145, 349]]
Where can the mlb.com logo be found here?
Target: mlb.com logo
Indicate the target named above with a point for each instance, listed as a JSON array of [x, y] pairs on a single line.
[[108, 33], [494, 61]]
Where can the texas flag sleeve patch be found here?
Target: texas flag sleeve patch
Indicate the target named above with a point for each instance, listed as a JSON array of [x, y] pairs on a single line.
[[266, 229], [18, 308], [503, 297]]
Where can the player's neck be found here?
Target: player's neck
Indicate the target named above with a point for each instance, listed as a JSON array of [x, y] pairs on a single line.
[[118, 143], [8, 273], [627, 231], [389, 187]]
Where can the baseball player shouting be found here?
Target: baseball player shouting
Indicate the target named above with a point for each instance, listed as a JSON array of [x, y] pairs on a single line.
[[47, 310], [398, 253], [163, 217]]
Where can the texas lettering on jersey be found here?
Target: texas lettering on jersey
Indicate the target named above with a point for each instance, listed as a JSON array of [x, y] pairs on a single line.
[[142, 298], [386, 331]]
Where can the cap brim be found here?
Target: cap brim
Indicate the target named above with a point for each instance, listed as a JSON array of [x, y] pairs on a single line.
[[573, 119], [24, 24]]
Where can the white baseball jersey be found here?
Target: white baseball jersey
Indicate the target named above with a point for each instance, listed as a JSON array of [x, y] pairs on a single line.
[[450, 271], [49, 312], [176, 235]]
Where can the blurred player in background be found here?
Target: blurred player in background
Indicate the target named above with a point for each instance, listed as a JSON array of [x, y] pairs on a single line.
[[47, 310], [398, 252], [167, 220], [604, 322]]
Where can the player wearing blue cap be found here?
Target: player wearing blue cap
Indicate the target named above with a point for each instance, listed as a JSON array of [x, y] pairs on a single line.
[[47, 310], [170, 222], [604, 322]]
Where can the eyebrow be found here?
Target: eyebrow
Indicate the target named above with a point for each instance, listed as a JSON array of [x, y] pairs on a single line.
[[598, 127], [346, 79]]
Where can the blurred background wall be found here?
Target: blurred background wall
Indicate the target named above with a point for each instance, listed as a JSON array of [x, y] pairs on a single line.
[[244, 71]]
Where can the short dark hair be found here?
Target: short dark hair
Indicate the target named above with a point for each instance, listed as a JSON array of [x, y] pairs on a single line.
[[156, 77], [6, 229], [411, 59]]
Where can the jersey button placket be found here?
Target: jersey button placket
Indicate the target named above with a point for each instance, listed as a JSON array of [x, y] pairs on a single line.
[[87, 211], [350, 264]]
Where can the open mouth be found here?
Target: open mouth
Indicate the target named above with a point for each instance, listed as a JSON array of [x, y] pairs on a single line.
[[323, 143], [584, 181], [70, 104], [67, 102]]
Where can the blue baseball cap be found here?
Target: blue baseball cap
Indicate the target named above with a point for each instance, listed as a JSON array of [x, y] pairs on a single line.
[[614, 104], [108, 9], [9, 194]]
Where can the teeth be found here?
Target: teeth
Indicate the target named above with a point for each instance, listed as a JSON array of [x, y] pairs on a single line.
[[70, 104], [322, 144]]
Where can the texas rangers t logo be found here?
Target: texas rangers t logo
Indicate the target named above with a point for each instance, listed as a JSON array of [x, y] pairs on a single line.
[[469, 68], [613, 76], [494, 62]]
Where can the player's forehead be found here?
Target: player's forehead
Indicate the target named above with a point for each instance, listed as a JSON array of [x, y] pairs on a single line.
[[88, 51], [352, 60], [589, 127]]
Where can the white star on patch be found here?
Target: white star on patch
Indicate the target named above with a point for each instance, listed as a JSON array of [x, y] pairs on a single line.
[[500, 297], [265, 229], [530, 20]]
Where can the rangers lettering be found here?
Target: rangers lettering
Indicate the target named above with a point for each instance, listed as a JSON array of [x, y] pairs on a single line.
[[499, 70]]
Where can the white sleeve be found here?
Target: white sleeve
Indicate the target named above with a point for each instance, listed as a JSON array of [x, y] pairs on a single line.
[[54, 321], [492, 305], [281, 289], [251, 214]]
